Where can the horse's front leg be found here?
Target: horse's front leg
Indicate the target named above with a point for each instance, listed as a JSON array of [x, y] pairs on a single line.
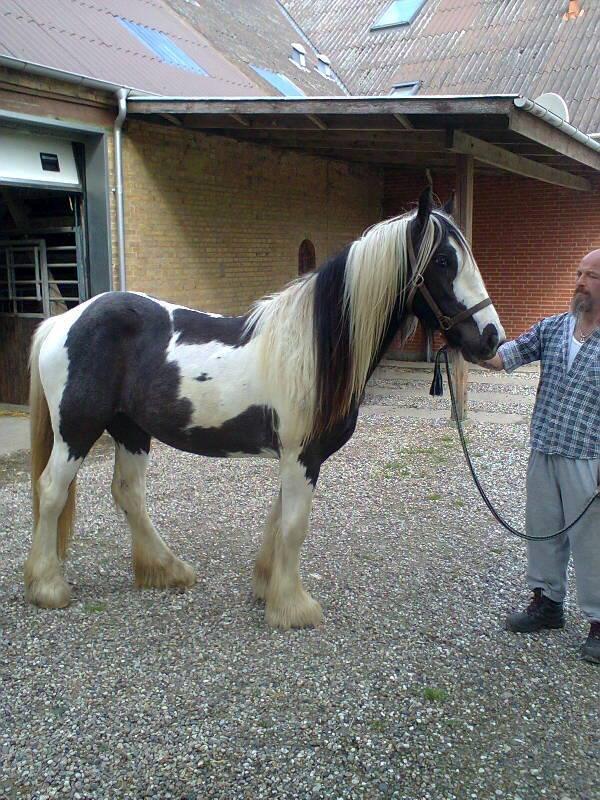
[[288, 605], [263, 566]]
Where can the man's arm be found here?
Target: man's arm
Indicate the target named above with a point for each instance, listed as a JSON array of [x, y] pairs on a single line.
[[522, 350], [495, 363]]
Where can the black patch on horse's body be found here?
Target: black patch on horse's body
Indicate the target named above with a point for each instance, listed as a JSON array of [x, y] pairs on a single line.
[[120, 380], [317, 451], [203, 377], [131, 436], [251, 432], [196, 327]]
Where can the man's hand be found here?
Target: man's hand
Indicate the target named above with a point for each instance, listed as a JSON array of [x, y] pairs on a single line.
[[494, 363]]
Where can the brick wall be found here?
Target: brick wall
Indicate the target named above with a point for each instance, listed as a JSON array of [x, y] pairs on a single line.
[[528, 238], [216, 224]]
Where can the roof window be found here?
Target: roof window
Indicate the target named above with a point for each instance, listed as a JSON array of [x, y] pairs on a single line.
[[406, 89], [400, 12], [278, 81], [298, 55], [162, 47], [324, 66]]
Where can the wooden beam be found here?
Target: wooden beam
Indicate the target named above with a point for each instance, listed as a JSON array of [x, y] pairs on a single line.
[[537, 130], [172, 119], [404, 121], [465, 171], [318, 122], [434, 141], [293, 122], [511, 162], [329, 105], [240, 120]]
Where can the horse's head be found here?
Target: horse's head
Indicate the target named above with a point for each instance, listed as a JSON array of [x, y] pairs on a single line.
[[452, 296]]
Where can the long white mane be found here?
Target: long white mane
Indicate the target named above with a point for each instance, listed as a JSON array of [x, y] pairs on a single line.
[[376, 273]]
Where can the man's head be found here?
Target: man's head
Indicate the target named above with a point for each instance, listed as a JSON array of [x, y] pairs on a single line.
[[586, 296]]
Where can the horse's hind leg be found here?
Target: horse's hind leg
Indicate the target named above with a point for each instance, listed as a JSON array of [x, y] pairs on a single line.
[[44, 582], [264, 560], [288, 605], [154, 564]]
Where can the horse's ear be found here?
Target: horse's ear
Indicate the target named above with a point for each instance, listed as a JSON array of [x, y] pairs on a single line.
[[448, 207], [425, 206]]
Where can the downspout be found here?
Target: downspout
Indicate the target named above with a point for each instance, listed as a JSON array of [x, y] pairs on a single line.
[[122, 98]]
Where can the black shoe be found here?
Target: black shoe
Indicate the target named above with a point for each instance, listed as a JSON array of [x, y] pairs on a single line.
[[540, 613], [590, 650]]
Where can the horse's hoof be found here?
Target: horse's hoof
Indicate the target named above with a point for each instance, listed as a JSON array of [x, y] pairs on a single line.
[[51, 592], [171, 574], [303, 613]]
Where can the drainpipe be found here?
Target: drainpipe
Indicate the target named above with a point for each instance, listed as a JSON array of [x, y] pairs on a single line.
[[122, 98]]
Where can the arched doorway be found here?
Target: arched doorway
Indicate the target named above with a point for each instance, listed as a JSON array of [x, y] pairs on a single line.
[[306, 257]]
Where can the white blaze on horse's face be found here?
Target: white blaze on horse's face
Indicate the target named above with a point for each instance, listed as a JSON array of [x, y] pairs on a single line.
[[469, 289]]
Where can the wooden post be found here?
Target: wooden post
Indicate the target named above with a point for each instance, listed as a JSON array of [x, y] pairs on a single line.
[[463, 213]]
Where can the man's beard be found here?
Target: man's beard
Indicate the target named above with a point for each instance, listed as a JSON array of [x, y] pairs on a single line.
[[581, 303]]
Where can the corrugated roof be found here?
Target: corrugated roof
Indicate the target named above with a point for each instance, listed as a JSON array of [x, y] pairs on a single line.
[[465, 47], [257, 32], [87, 38]]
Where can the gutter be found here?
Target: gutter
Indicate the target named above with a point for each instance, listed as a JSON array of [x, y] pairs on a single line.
[[118, 126], [61, 75], [553, 119]]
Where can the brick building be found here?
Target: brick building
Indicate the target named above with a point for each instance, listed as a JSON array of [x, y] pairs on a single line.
[[223, 199]]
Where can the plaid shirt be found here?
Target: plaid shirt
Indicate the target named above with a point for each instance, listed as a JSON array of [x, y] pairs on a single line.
[[566, 416]]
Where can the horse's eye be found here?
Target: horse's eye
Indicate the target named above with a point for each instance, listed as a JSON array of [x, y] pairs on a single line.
[[441, 261]]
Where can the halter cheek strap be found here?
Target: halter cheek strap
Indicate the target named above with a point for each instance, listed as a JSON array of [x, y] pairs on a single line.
[[419, 286], [447, 322]]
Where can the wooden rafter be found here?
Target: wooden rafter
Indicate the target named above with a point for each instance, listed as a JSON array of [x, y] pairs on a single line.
[[511, 162]]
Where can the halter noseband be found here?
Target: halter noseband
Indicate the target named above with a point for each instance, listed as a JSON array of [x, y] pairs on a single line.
[[419, 286]]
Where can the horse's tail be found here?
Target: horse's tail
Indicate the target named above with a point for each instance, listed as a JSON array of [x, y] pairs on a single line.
[[42, 441]]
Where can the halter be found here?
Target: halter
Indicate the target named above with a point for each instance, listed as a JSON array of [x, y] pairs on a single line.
[[419, 286]]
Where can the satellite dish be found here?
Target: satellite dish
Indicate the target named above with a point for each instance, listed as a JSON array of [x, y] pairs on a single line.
[[554, 103]]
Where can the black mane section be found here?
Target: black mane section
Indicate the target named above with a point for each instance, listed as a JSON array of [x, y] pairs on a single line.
[[332, 339]]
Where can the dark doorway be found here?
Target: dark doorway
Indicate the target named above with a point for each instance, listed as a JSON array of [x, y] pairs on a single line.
[[306, 257]]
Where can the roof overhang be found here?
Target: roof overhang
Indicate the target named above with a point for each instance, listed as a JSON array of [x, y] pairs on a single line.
[[502, 132]]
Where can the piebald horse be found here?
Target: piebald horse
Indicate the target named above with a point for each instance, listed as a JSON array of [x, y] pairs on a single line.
[[284, 381]]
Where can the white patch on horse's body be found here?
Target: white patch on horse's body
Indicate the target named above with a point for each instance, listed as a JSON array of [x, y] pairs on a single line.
[[469, 288], [53, 355], [229, 382]]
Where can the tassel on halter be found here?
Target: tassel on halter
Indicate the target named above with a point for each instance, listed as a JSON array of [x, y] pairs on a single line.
[[437, 384]]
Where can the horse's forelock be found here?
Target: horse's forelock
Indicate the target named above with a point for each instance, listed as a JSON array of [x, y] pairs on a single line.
[[451, 229]]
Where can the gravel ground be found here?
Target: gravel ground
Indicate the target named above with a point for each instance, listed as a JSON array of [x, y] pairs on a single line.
[[411, 689], [443, 403], [422, 387]]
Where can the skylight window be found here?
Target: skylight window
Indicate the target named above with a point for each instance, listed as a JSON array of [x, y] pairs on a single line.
[[278, 81], [400, 12], [406, 89], [162, 47]]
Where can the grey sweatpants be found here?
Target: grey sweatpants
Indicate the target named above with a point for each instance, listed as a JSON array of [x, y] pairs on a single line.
[[557, 490]]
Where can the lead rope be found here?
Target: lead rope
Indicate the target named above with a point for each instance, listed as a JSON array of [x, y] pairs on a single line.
[[437, 389]]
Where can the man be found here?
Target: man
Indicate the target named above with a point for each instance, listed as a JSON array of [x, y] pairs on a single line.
[[564, 464]]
